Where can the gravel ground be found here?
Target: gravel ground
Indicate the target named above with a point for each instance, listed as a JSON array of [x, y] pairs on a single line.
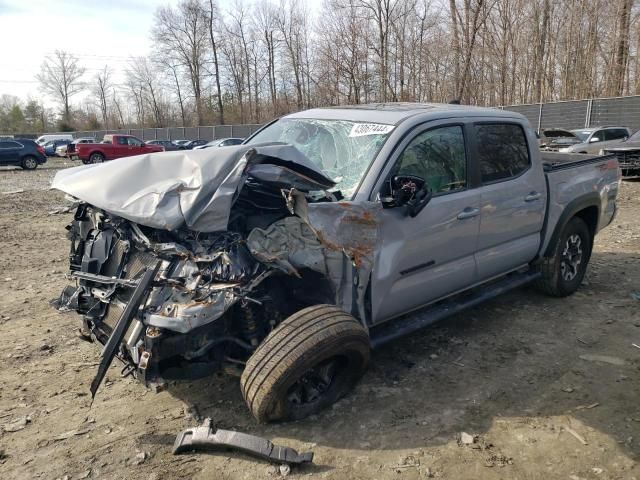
[[15, 178], [524, 387]]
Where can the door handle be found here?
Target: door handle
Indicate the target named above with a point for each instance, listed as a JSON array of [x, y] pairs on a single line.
[[468, 213], [532, 197]]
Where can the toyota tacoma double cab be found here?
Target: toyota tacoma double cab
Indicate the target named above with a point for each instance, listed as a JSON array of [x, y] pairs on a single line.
[[112, 147], [329, 232]]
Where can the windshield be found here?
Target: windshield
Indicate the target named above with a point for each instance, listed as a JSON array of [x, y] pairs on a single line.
[[342, 149], [582, 134]]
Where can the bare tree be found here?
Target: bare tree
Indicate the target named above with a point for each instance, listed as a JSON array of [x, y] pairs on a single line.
[[102, 91], [183, 34], [213, 21], [61, 78]]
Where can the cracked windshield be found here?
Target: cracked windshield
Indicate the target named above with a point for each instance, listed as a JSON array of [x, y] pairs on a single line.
[[342, 149]]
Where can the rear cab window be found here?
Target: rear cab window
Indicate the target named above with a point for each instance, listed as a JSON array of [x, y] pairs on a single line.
[[503, 152]]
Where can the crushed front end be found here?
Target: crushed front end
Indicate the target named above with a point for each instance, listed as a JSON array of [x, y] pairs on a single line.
[[214, 295]]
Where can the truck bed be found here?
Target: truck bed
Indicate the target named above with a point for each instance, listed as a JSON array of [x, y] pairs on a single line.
[[559, 161], [577, 175]]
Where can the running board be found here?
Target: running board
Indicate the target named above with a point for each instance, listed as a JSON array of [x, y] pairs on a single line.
[[411, 322]]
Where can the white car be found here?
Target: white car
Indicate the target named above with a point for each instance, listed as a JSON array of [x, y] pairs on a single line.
[[593, 140], [61, 151]]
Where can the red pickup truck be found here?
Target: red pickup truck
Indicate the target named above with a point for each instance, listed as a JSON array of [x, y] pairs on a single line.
[[112, 147]]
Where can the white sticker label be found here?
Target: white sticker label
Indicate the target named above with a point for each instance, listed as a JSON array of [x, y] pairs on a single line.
[[362, 129]]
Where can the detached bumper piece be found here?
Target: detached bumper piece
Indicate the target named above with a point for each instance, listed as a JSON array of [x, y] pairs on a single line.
[[205, 437]]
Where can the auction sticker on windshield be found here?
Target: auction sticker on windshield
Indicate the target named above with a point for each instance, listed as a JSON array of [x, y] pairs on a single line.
[[362, 129]]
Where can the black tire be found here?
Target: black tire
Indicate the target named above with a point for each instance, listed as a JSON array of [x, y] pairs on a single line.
[[96, 158], [311, 360], [563, 272], [29, 162]]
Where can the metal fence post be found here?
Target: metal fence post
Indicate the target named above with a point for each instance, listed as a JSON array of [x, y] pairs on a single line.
[[587, 120], [540, 117]]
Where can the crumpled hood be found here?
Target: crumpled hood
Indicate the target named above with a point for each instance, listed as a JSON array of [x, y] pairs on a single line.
[[195, 188]]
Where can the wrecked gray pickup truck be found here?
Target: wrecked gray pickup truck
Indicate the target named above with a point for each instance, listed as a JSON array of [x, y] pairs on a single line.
[[284, 260]]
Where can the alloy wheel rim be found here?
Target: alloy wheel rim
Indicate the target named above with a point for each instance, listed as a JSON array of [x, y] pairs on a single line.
[[571, 257]]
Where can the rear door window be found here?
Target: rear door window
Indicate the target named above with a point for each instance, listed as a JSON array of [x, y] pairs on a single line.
[[8, 144], [502, 151], [615, 134]]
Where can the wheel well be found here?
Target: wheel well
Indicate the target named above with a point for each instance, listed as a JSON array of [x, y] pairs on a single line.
[[590, 216]]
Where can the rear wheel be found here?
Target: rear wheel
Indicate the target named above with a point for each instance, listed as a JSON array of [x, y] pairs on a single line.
[[563, 272], [29, 163], [96, 158], [307, 363]]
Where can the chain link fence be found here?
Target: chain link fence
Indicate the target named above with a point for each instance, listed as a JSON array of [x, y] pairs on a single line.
[[596, 112], [177, 133]]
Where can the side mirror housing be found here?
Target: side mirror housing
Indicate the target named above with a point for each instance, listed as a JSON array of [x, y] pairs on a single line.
[[594, 139], [409, 191]]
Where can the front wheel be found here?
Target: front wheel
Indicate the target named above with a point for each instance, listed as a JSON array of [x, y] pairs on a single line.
[[311, 360], [563, 272]]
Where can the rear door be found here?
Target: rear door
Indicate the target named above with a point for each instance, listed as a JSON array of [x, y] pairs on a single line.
[[513, 196], [120, 147], [430, 256], [10, 152], [614, 136]]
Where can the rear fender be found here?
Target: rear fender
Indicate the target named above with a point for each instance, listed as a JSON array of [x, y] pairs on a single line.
[[573, 208]]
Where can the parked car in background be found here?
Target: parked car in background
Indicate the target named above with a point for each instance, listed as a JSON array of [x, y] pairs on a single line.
[[71, 152], [22, 152], [551, 139], [594, 140], [42, 139], [221, 142], [168, 145], [425, 205], [180, 143], [628, 155], [191, 144], [51, 146], [114, 146]]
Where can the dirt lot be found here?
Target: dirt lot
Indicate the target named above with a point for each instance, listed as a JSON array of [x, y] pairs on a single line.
[[549, 388]]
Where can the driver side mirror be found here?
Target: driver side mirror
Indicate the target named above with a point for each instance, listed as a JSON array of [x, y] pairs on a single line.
[[408, 191], [594, 139]]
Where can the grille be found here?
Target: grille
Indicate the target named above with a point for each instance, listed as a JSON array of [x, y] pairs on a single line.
[[627, 159]]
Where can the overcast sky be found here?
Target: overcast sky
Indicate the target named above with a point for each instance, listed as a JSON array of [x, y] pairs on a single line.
[[98, 32]]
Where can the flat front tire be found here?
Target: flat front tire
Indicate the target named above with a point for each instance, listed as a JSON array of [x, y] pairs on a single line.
[[307, 363], [562, 273]]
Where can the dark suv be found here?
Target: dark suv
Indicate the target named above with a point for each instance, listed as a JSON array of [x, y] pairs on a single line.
[[21, 152], [168, 145]]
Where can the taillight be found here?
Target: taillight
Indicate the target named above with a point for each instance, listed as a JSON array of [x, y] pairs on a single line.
[[40, 149]]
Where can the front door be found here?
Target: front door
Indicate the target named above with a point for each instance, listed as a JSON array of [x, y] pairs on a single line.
[[513, 195], [136, 147], [427, 257]]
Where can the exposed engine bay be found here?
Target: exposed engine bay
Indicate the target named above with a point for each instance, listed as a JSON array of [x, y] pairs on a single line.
[[239, 239]]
